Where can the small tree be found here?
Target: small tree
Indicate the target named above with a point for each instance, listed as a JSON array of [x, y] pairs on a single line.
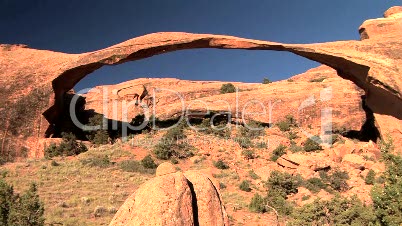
[[311, 145], [278, 152], [27, 210], [220, 164], [148, 162], [69, 146], [245, 186], [257, 204], [370, 178], [266, 81], [6, 200], [228, 88]]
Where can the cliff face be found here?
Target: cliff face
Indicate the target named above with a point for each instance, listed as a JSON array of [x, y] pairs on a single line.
[[35, 81]]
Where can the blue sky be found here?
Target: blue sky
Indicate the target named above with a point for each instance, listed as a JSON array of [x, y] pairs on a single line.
[[80, 26]]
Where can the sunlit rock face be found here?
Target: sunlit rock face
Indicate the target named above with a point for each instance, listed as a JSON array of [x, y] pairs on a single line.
[[34, 82]]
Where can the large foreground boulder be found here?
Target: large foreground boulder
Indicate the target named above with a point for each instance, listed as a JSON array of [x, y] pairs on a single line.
[[174, 199]]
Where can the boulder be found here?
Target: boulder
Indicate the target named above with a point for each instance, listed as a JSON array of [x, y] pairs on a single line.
[[165, 168], [173, 198], [164, 200], [210, 210]]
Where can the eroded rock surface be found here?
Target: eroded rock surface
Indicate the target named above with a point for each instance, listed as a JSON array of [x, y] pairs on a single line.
[[173, 199], [35, 81]]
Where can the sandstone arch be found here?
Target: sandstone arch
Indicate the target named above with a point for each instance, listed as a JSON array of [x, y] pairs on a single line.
[[374, 64]]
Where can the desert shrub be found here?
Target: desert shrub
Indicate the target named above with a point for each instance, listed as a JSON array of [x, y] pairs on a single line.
[[244, 142], [266, 81], [284, 183], [220, 164], [100, 136], [172, 144], [337, 129], [97, 161], [286, 124], [314, 184], [252, 130], [292, 135], [220, 129], [222, 185], [337, 211], [24, 210], [370, 177], [245, 186], [99, 211], [253, 175], [7, 198], [278, 152], [311, 145], [228, 88], [337, 179], [387, 198], [69, 146], [248, 154], [54, 163], [148, 162], [320, 79], [275, 199], [174, 161], [134, 166], [261, 145], [295, 148], [257, 204]]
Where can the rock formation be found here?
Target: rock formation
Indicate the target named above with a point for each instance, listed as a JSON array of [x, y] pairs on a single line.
[[35, 81], [173, 198]]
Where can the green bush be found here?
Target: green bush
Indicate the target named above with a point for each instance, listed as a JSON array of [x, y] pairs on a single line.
[[148, 162], [266, 81], [100, 136], [286, 124], [253, 175], [278, 152], [245, 186], [244, 142], [172, 144], [248, 154], [314, 184], [311, 145], [21, 210], [97, 161], [337, 211], [68, 147], [284, 183], [134, 166], [54, 163], [257, 204], [228, 88], [387, 198], [252, 130], [221, 129], [370, 177], [295, 148], [220, 164], [337, 179], [277, 200]]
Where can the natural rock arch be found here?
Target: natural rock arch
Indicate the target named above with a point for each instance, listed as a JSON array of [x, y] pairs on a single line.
[[373, 64]]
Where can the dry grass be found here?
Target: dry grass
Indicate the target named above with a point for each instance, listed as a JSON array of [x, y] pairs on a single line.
[[72, 191]]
